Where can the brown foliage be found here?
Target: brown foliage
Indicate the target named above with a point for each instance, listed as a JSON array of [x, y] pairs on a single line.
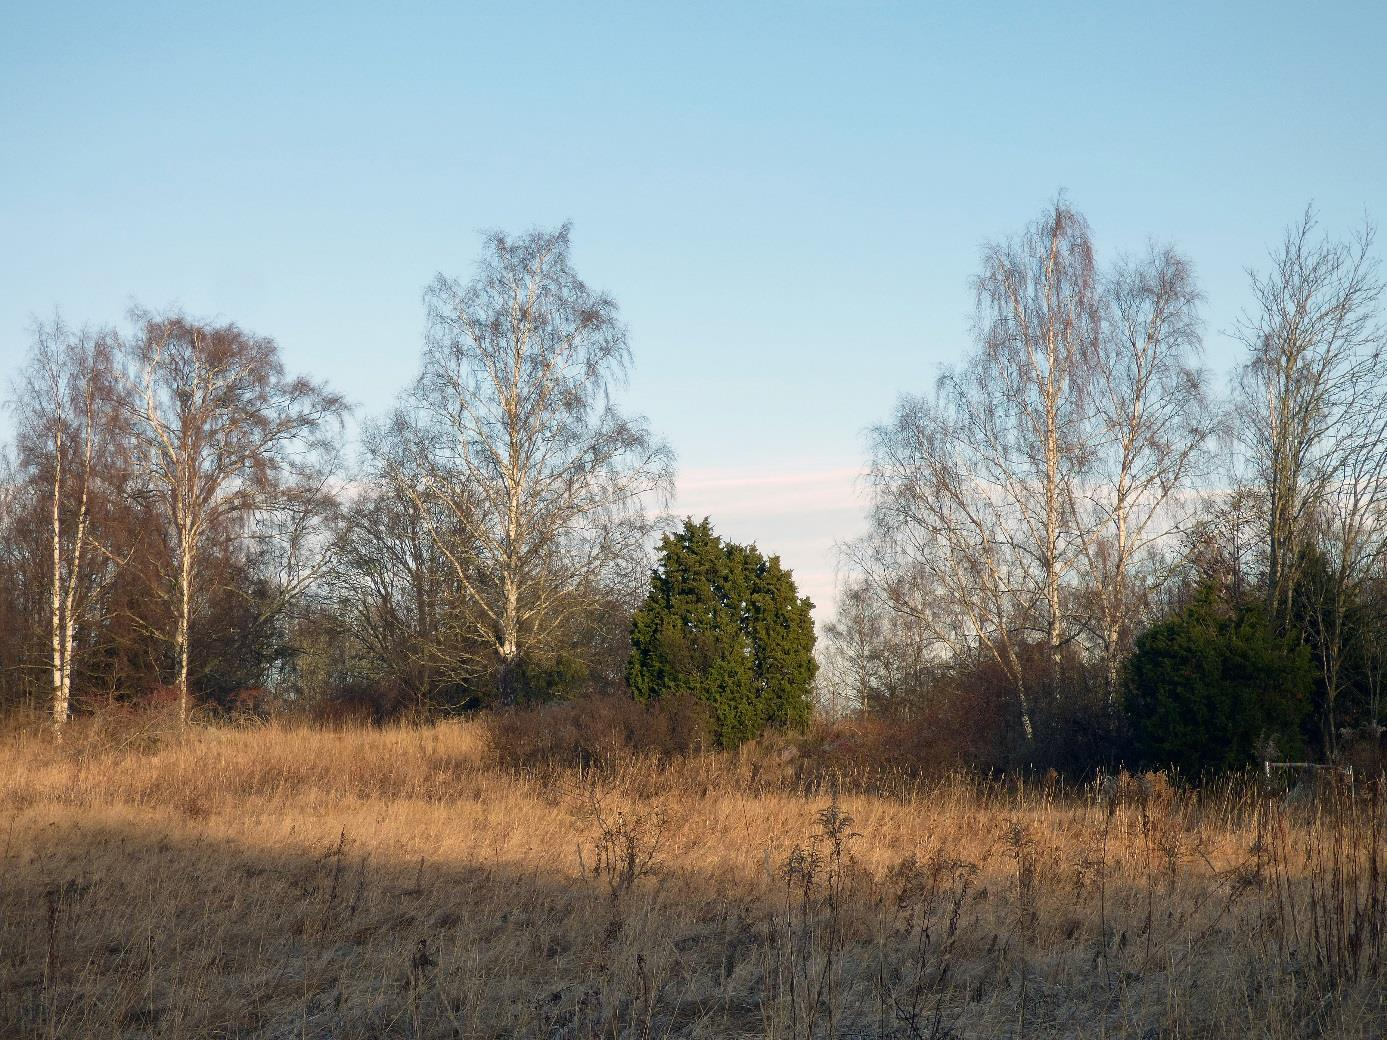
[[362, 702], [600, 730]]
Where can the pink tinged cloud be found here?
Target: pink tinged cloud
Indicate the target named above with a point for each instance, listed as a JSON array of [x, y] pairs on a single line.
[[797, 515]]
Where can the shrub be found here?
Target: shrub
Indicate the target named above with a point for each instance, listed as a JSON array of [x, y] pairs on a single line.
[[597, 730], [362, 702], [1213, 686], [561, 678]]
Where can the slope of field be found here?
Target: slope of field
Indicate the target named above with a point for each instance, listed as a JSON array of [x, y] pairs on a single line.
[[285, 882]]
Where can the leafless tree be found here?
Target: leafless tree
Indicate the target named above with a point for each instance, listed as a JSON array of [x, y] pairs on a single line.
[[875, 658], [1023, 504], [936, 522], [1352, 533], [395, 598], [531, 481], [12, 585], [1311, 391], [1025, 396], [852, 650], [1312, 416], [219, 424], [1152, 420], [1224, 545], [979, 485], [69, 440]]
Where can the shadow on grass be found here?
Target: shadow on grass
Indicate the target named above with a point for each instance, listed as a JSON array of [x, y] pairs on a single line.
[[148, 927], [120, 929]]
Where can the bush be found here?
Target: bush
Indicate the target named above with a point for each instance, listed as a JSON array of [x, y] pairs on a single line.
[[1215, 686], [598, 730], [362, 702], [562, 678]]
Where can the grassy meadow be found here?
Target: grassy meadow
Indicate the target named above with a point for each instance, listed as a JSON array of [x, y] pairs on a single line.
[[407, 882]]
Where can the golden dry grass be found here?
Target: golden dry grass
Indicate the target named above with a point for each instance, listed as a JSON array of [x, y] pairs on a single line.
[[288, 882]]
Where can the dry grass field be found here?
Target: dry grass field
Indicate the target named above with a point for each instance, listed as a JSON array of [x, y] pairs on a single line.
[[287, 882]]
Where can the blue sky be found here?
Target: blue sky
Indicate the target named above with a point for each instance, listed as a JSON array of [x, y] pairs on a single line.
[[787, 200]]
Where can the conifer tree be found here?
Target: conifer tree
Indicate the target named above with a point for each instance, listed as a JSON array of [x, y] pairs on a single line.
[[725, 624], [1214, 686]]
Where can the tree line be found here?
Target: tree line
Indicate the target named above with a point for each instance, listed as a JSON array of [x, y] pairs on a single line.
[[1082, 550], [179, 520], [182, 529]]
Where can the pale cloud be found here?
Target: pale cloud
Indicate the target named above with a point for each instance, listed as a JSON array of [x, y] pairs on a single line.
[[797, 515]]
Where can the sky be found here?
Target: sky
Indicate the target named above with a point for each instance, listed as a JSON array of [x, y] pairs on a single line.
[[787, 201]]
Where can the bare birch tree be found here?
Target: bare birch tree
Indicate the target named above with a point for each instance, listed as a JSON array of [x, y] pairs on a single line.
[[944, 549], [1152, 420], [1023, 400], [978, 487], [1312, 411], [65, 439], [1312, 386], [1017, 506], [532, 481], [219, 423]]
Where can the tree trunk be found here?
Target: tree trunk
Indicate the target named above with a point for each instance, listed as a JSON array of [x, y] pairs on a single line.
[[1023, 700], [60, 702], [185, 576], [1052, 519], [510, 577], [1026, 726], [509, 644], [1115, 597]]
